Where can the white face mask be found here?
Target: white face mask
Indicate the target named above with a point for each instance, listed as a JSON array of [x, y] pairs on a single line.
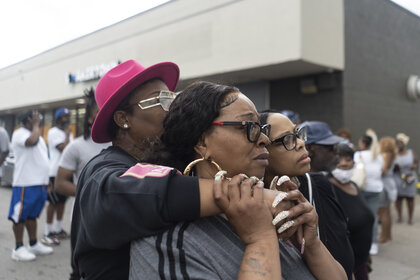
[[343, 176]]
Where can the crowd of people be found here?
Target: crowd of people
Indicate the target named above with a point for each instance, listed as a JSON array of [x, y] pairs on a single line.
[[38, 177], [199, 184]]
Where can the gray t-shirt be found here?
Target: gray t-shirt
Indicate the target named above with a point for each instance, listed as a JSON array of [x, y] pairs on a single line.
[[78, 153], [204, 249]]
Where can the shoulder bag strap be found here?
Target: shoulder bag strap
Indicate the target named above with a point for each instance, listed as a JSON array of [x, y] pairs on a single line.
[[311, 200]]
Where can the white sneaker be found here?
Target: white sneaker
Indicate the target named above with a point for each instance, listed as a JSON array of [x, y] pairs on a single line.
[[373, 249], [22, 254], [40, 249]]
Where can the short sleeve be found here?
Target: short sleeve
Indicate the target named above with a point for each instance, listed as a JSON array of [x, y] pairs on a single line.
[[69, 157]]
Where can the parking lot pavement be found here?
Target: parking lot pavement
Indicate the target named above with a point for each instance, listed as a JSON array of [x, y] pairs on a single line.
[[55, 266], [400, 258]]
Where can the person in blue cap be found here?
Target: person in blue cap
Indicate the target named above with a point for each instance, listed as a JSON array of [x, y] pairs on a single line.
[[59, 137], [332, 156], [320, 144]]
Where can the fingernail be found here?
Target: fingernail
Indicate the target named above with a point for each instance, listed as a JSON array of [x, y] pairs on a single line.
[[217, 178], [302, 247], [219, 175], [244, 175], [273, 184], [285, 226], [279, 198], [260, 184], [282, 180], [254, 178], [281, 216]]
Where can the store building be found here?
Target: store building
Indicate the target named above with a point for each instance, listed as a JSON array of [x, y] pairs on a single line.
[[345, 62]]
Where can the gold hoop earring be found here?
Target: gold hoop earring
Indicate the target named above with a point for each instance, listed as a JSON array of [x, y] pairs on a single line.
[[187, 169]]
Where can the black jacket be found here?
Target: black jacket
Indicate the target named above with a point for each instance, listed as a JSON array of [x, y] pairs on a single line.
[[117, 201], [332, 222]]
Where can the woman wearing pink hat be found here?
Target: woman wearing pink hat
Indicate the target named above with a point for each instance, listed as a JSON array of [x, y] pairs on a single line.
[[119, 199], [111, 209]]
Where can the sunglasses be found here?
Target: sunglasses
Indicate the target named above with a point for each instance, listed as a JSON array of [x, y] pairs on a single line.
[[253, 129], [289, 140], [164, 99]]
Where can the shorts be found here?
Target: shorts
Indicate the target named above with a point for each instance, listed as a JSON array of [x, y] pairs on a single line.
[[27, 202], [55, 197]]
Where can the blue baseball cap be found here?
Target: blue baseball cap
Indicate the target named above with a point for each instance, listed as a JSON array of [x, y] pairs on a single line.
[[61, 112], [320, 133]]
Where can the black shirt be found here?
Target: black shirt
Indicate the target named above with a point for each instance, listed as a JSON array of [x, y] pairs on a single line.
[[332, 221], [360, 223], [117, 201]]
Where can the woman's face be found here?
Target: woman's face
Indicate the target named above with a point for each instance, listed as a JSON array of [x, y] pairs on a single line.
[[148, 122], [283, 162], [345, 163], [228, 145], [400, 145]]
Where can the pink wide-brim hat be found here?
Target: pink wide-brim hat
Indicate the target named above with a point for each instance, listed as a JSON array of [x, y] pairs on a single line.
[[121, 80]]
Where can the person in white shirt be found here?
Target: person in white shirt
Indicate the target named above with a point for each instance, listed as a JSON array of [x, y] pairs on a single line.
[[59, 137], [373, 164], [79, 152], [30, 180]]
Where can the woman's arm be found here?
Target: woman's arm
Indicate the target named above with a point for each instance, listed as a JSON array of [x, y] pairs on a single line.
[[208, 206], [243, 203], [415, 165], [63, 183], [321, 262]]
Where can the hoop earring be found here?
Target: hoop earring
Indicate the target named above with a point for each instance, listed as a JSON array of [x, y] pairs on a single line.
[[187, 169]]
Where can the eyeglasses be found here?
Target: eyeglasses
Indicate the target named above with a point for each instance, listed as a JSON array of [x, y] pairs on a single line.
[[289, 140], [164, 99], [253, 129]]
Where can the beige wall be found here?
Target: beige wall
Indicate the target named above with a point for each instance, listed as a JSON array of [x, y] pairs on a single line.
[[322, 32], [204, 37]]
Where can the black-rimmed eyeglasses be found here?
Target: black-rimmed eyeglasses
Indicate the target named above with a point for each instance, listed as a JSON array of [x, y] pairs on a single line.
[[253, 129], [289, 140]]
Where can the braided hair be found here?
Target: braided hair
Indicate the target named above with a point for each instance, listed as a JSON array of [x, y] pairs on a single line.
[[90, 103]]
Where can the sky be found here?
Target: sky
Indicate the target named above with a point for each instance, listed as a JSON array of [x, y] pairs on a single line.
[[29, 27]]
